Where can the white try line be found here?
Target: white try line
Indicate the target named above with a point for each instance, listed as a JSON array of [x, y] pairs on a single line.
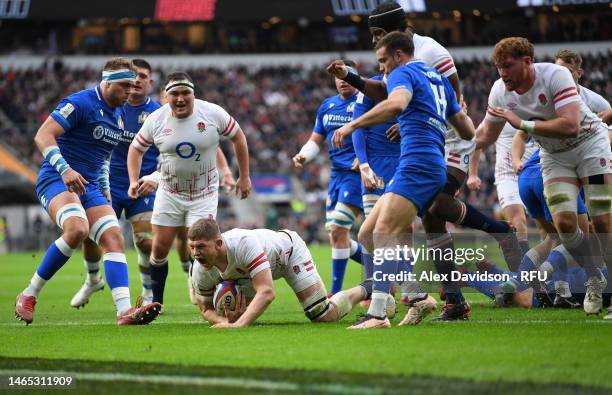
[[228, 382], [110, 322]]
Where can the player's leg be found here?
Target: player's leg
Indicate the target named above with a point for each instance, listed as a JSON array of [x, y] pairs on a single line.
[[182, 249], [163, 237], [66, 210], [92, 256], [142, 233], [342, 220], [106, 232], [513, 209]]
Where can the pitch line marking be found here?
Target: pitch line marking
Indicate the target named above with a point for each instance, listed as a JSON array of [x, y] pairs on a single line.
[[230, 382]]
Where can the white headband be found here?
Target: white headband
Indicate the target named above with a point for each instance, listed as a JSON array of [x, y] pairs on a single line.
[[179, 83]]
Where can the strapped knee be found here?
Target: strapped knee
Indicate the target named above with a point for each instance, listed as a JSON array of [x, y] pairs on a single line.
[[101, 226], [67, 211], [561, 197], [369, 200], [316, 306], [599, 199], [342, 216], [342, 302]]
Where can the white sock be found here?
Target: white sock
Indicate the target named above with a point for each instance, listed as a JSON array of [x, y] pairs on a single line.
[[145, 278], [354, 246], [378, 304], [121, 296], [36, 285], [562, 288], [93, 271]]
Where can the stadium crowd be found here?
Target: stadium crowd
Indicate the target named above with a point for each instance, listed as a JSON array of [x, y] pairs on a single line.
[[275, 106]]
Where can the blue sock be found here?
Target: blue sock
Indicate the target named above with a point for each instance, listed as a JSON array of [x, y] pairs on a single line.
[[527, 265], [115, 270], [445, 266], [340, 257], [356, 252], [559, 263], [159, 273], [483, 286], [477, 220], [381, 275], [56, 256]]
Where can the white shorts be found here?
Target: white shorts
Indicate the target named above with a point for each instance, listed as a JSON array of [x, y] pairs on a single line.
[[170, 210], [458, 153], [508, 193], [588, 159], [300, 271]]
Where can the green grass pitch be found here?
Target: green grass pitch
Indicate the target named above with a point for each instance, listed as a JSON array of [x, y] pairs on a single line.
[[497, 351]]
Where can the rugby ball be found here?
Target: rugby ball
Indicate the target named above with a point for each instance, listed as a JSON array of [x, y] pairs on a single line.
[[225, 295]]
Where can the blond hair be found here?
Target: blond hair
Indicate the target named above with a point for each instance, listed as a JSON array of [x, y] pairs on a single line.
[[118, 63], [570, 57], [204, 229]]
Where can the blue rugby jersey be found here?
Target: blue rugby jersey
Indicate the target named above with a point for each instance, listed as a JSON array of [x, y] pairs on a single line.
[[334, 113], [133, 118], [423, 123], [92, 128]]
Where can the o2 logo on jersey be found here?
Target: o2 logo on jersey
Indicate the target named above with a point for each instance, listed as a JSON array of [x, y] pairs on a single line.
[[98, 132], [186, 150]]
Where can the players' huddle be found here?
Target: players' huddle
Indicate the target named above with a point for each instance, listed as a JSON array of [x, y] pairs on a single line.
[[401, 146]]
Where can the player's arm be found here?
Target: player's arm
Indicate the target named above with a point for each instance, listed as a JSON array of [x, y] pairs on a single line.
[[139, 146], [227, 179], [264, 295], [241, 149], [309, 151], [566, 125], [518, 150], [384, 111], [376, 90], [46, 141], [487, 133], [474, 180], [463, 125], [454, 81], [209, 314]]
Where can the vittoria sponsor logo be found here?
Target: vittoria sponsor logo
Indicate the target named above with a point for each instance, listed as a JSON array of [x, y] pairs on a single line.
[[201, 127], [542, 98]]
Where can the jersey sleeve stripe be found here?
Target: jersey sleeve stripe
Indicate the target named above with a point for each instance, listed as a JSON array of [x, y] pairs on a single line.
[[230, 127], [144, 142], [564, 97], [257, 259], [443, 63], [572, 88], [264, 260]]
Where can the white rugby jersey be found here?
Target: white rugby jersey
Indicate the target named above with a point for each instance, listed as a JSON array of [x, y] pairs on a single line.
[[248, 253], [433, 54], [188, 147], [552, 89], [593, 101]]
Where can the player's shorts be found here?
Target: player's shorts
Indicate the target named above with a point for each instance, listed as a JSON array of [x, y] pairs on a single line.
[[170, 210], [300, 271], [458, 153], [345, 187], [50, 184], [384, 167], [122, 202], [418, 183], [531, 188], [508, 193], [590, 158]]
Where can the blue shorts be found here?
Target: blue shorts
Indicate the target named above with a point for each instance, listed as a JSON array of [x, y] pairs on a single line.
[[50, 184], [344, 187], [121, 202], [418, 183], [384, 167], [531, 189]]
